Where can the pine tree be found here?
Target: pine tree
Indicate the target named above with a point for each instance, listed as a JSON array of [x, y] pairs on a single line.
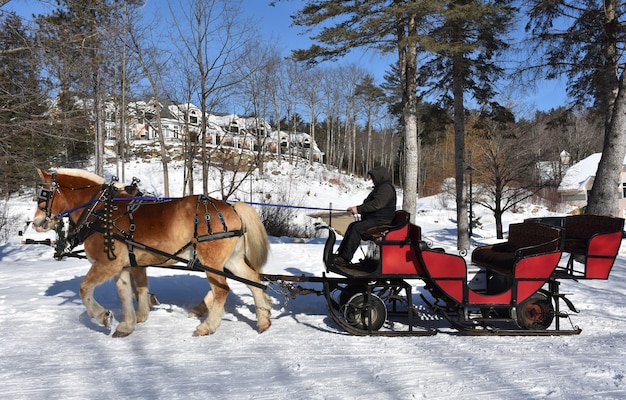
[[582, 42], [382, 25], [461, 59], [78, 37], [458, 39], [22, 144]]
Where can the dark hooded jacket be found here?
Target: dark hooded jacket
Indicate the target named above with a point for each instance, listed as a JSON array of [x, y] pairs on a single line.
[[380, 204]]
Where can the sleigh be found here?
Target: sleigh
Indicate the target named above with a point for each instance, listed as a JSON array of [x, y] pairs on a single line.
[[515, 291]]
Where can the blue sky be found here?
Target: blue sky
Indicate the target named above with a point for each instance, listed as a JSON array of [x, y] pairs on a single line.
[[275, 25]]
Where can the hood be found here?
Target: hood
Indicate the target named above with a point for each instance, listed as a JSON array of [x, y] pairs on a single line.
[[379, 174]]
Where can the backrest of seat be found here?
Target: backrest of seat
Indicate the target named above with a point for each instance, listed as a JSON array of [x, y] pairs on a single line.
[[378, 233], [400, 218], [532, 234], [603, 249], [398, 251], [584, 226]]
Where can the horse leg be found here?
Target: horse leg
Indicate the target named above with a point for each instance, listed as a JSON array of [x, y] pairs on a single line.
[[263, 306], [262, 302], [96, 275], [220, 289], [139, 278], [125, 292], [203, 307]]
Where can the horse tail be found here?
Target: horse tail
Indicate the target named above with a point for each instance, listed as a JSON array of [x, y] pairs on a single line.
[[257, 244]]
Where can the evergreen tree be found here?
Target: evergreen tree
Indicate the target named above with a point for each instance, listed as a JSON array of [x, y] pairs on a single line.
[[385, 26], [582, 41], [78, 38], [22, 145], [461, 59]]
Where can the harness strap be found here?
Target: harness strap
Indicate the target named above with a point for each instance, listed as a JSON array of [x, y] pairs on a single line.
[[109, 242], [132, 206], [207, 219], [131, 231], [192, 264], [220, 235]]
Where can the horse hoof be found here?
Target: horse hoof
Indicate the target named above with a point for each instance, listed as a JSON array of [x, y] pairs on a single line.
[[153, 300], [118, 334], [201, 331], [263, 328]]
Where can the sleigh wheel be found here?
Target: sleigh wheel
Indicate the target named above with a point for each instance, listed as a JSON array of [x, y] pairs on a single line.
[[363, 315], [348, 291], [536, 312]]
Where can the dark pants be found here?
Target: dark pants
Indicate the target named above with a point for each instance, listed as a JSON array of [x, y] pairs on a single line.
[[352, 238]]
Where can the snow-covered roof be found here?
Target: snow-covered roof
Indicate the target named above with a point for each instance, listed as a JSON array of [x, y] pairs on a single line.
[[578, 174]]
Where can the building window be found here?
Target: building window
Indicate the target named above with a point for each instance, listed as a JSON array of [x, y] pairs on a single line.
[[574, 197], [623, 190], [193, 119]]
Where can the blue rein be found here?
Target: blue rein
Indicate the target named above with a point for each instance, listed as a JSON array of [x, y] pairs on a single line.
[[71, 210]]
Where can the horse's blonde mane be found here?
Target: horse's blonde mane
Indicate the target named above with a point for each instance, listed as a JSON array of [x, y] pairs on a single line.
[[80, 173]]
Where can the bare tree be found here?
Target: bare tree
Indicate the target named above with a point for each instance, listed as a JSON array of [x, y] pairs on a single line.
[[258, 68], [211, 42], [505, 169], [371, 97], [331, 103], [152, 61], [291, 94], [311, 98]]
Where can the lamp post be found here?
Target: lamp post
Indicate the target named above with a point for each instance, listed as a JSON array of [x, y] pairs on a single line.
[[469, 169]]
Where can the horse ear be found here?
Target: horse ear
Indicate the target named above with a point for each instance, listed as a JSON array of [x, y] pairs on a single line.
[[41, 173]]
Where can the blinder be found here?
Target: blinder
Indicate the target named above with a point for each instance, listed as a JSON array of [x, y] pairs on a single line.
[[43, 195]]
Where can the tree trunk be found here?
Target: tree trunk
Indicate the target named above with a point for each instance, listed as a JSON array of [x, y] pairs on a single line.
[[497, 213], [99, 126], [164, 156], [604, 194], [407, 63], [459, 156]]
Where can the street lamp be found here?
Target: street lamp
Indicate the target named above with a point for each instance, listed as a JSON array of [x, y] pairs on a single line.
[[469, 169]]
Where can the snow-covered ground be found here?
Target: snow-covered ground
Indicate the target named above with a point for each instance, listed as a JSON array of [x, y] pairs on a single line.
[[50, 349]]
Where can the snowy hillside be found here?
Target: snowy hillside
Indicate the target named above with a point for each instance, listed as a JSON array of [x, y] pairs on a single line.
[[51, 349]]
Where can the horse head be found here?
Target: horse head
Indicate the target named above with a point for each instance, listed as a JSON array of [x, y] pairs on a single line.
[[61, 192]]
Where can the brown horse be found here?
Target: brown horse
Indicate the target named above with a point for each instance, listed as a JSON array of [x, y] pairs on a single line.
[[123, 234]]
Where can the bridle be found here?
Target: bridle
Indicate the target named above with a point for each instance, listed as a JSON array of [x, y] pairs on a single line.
[[45, 195], [46, 192]]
